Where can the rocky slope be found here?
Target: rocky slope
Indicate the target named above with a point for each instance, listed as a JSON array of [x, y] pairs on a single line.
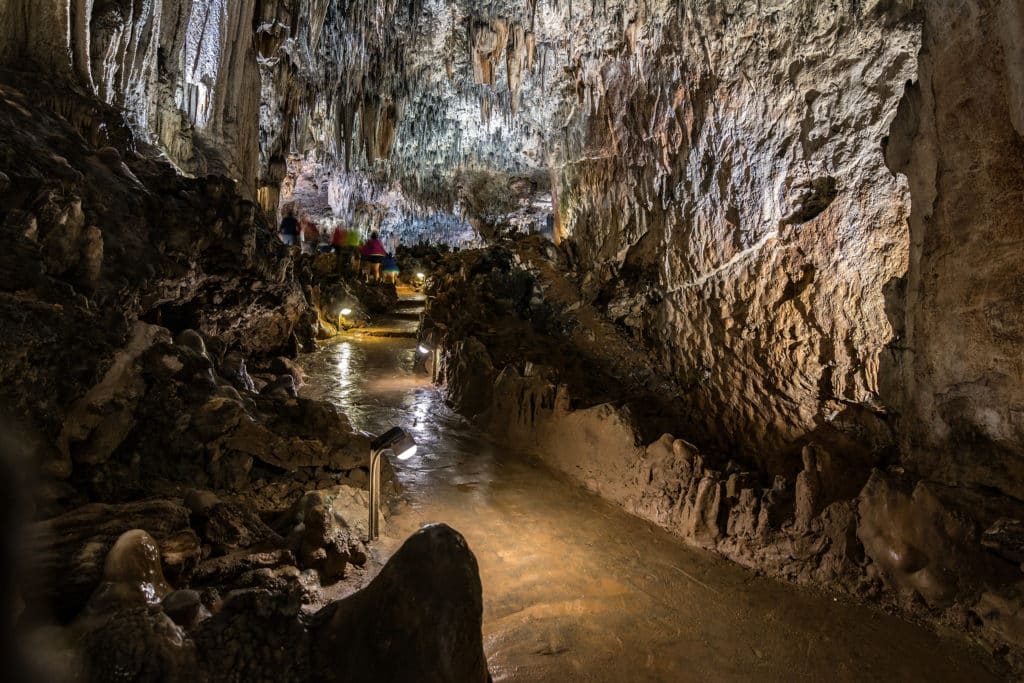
[[182, 506], [106, 245]]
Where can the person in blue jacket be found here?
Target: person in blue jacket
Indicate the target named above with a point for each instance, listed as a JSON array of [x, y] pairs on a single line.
[[390, 269]]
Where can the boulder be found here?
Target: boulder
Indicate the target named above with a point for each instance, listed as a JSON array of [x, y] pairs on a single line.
[[419, 620], [324, 532]]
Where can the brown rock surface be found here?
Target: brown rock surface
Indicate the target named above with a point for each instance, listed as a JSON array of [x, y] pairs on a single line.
[[69, 552], [956, 375]]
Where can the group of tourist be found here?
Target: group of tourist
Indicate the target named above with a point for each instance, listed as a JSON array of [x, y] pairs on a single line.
[[376, 263], [302, 230], [370, 258]]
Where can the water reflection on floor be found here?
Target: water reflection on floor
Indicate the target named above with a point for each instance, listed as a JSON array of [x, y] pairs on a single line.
[[577, 590]]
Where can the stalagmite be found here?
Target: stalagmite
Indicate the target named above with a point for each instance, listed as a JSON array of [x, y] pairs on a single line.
[[787, 232]]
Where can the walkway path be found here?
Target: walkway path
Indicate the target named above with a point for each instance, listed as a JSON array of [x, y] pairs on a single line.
[[577, 590]]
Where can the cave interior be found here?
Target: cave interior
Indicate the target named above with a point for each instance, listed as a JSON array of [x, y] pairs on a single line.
[[706, 318]]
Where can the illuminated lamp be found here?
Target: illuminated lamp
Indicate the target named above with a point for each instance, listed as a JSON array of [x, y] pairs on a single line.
[[399, 442]]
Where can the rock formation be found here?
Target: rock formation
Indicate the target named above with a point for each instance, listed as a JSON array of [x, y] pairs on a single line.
[[782, 284], [522, 356], [185, 491]]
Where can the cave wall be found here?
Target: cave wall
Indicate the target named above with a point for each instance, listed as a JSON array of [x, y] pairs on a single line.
[[730, 199], [957, 366], [811, 218], [151, 58]]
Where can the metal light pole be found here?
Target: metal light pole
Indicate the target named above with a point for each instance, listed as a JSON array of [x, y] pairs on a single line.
[[429, 350], [404, 447]]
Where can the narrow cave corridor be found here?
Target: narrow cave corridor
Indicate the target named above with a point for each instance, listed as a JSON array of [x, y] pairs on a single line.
[[542, 340], [576, 589]]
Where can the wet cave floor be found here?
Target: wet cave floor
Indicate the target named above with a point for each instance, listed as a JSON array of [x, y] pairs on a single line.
[[574, 588]]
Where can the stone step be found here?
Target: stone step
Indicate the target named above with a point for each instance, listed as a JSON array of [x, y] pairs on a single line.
[[391, 334]]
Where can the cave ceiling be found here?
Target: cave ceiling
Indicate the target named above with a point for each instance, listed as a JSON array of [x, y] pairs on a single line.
[[426, 93]]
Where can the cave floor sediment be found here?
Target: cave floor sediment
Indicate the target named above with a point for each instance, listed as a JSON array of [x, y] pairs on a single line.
[[575, 589]]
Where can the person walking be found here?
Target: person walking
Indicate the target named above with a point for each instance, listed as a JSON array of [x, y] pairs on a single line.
[[373, 253], [390, 269], [339, 240], [289, 227]]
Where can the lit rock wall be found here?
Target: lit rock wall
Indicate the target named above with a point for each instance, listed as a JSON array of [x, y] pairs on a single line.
[[958, 370], [729, 198], [178, 69]]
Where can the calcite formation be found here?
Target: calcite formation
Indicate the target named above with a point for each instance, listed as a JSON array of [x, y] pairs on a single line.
[[147, 321], [785, 233], [523, 356]]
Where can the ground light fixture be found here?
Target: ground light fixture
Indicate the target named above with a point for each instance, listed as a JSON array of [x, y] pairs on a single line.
[[420, 276], [399, 442], [426, 349]]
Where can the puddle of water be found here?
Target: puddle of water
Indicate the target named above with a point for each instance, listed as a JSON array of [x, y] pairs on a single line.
[[577, 590]]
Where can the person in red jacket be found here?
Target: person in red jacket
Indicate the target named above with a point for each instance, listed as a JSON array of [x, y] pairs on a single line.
[[373, 252]]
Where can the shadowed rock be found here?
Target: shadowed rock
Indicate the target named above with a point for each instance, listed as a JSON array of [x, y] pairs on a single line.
[[419, 620]]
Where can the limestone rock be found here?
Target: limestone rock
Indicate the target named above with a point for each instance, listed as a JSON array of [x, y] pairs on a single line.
[[228, 569], [99, 422], [185, 608], [425, 601], [70, 552], [325, 530], [808, 489], [917, 543], [470, 375], [137, 645], [1006, 537], [225, 525]]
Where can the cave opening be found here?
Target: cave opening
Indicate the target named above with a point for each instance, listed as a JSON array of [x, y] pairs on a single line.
[[703, 381]]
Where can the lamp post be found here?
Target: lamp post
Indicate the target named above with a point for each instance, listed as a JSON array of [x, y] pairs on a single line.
[[404, 447], [427, 349]]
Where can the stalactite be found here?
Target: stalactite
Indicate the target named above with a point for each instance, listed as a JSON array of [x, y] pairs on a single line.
[[514, 64], [389, 116], [347, 114], [530, 39], [369, 118]]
